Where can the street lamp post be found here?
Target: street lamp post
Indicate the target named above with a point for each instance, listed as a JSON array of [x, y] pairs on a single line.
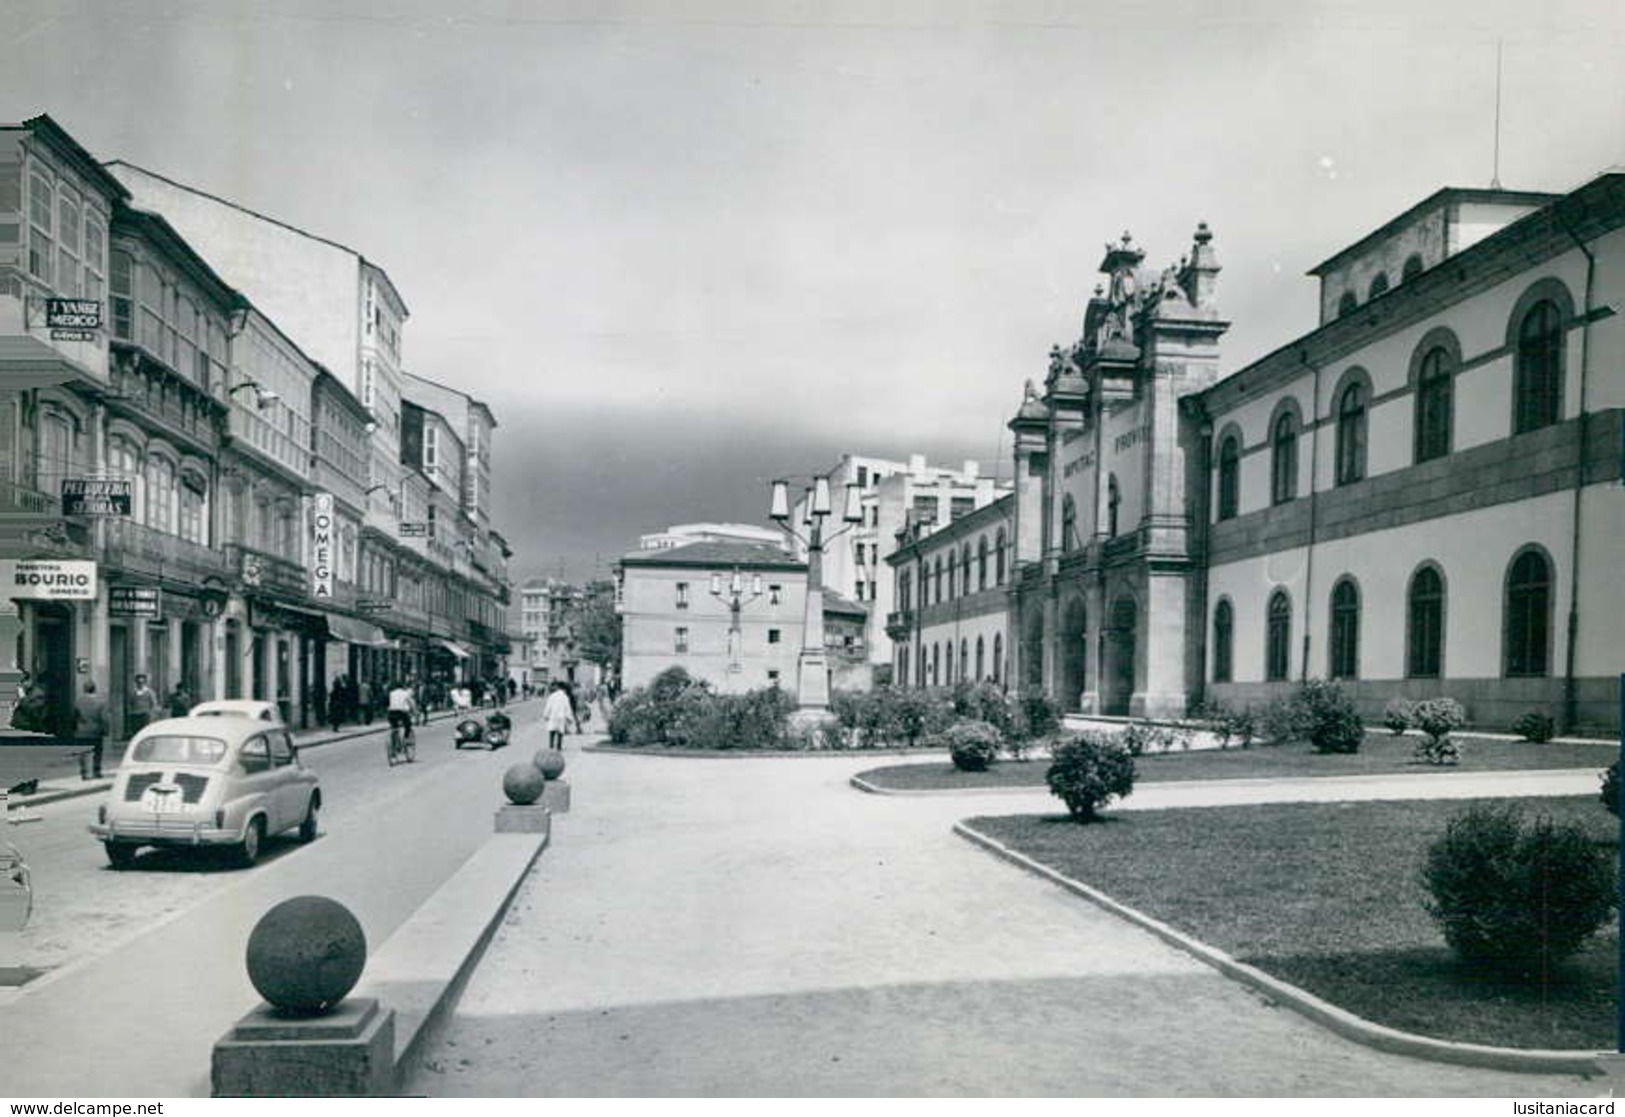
[[735, 598], [812, 671]]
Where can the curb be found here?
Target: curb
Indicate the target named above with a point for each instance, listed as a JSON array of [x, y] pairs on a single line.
[[757, 754], [1328, 1015], [927, 792]]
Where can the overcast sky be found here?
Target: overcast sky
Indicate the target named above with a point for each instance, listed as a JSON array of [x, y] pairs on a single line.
[[682, 248]]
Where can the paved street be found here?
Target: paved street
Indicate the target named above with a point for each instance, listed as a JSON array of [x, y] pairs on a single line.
[[757, 927], [149, 962]]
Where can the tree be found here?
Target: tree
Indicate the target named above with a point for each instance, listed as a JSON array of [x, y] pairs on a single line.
[[597, 626]]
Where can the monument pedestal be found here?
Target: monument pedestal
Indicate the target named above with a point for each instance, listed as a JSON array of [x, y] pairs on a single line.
[[557, 796], [348, 1052], [530, 818]]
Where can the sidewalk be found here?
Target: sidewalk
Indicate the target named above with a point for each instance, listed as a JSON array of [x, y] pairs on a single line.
[[69, 787]]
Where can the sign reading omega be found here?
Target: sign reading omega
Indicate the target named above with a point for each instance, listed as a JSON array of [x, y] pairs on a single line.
[[321, 547], [48, 579]]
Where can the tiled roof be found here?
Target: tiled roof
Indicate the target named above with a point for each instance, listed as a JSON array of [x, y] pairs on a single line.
[[715, 554]]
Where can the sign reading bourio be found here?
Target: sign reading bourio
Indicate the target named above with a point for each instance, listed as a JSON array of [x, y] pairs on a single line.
[[48, 579], [321, 548], [83, 496]]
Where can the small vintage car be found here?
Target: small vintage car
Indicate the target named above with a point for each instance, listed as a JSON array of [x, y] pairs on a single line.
[[217, 779]]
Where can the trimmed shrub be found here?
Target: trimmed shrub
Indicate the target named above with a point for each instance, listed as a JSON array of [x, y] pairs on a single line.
[[973, 745], [1281, 722], [1397, 715], [1036, 715], [1516, 894], [919, 715], [1328, 717], [1087, 772], [1228, 725], [1610, 789], [648, 715], [1535, 726], [985, 702], [1438, 718]]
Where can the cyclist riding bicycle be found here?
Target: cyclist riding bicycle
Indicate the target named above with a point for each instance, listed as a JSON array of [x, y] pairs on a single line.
[[402, 705]]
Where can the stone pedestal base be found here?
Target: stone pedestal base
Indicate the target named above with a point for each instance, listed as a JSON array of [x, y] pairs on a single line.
[[532, 819], [557, 796], [347, 1053]]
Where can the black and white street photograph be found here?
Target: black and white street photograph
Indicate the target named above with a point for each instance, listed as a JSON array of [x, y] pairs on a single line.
[[988, 550]]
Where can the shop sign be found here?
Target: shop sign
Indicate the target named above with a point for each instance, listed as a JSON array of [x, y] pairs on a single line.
[[134, 601], [369, 605], [85, 496], [321, 549], [73, 319], [48, 579], [420, 529]]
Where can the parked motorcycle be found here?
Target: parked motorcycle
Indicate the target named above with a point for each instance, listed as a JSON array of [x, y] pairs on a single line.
[[469, 731]]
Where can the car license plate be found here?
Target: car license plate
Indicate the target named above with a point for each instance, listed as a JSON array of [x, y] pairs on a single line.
[[161, 800]]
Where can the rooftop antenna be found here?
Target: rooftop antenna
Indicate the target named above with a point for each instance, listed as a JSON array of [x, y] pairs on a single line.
[[1495, 173]]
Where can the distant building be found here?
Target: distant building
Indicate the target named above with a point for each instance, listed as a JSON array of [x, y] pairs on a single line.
[[679, 534]]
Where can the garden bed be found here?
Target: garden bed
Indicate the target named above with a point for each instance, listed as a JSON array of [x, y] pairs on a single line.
[[1378, 755], [1328, 898]]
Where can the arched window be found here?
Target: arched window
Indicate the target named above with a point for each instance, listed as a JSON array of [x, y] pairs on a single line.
[[998, 559], [1224, 631], [1229, 478], [964, 659], [1284, 459], [936, 594], [1434, 402], [1528, 615], [948, 663], [124, 462], [981, 563], [1351, 420], [193, 507], [1538, 377], [1069, 523], [1424, 610], [1347, 305], [998, 657], [1412, 268], [953, 571], [1278, 637], [1345, 641], [1379, 284], [936, 663], [1114, 498], [965, 570], [981, 663], [160, 473]]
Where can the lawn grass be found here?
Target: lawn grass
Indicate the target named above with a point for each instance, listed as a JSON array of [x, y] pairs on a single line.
[[1379, 754], [1328, 897]]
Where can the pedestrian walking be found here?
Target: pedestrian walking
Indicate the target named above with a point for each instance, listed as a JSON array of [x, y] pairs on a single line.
[[142, 705], [90, 721], [557, 715], [336, 696]]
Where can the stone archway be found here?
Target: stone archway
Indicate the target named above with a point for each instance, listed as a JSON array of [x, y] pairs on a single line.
[[1117, 665], [1074, 655]]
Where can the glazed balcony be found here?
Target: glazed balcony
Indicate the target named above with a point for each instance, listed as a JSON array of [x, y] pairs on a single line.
[[136, 548]]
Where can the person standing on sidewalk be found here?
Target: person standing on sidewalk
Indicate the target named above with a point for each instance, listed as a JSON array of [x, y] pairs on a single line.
[[90, 720], [557, 715], [143, 704], [180, 701]]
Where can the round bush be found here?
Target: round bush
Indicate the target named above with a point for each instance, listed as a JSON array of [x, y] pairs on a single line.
[[1610, 789], [1437, 718], [1397, 715], [1513, 893], [523, 784], [306, 953], [1328, 717], [1534, 726], [549, 762], [972, 745], [1088, 772]]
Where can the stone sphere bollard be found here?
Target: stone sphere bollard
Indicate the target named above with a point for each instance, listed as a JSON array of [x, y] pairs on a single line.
[[550, 763], [523, 784], [305, 954]]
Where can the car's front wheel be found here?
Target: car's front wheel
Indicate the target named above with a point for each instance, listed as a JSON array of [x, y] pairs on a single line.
[[120, 855], [248, 851], [307, 828]]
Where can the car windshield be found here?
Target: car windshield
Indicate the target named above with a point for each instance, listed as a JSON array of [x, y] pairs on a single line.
[[177, 749]]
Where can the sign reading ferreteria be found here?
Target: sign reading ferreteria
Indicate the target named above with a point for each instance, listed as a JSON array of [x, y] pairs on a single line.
[[321, 548], [134, 601], [48, 579], [73, 319], [85, 496]]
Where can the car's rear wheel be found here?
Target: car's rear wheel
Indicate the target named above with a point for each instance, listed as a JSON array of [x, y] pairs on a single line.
[[307, 828], [248, 851], [120, 855]]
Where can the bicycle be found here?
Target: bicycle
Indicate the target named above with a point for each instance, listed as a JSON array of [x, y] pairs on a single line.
[[402, 745]]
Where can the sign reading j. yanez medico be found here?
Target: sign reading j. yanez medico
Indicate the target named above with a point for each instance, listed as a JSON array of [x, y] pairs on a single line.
[[321, 546], [48, 579]]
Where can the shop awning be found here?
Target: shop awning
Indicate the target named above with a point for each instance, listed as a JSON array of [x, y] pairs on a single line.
[[353, 631], [455, 648]]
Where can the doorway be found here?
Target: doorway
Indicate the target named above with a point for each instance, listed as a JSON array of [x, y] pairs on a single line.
[[1120, 647]]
